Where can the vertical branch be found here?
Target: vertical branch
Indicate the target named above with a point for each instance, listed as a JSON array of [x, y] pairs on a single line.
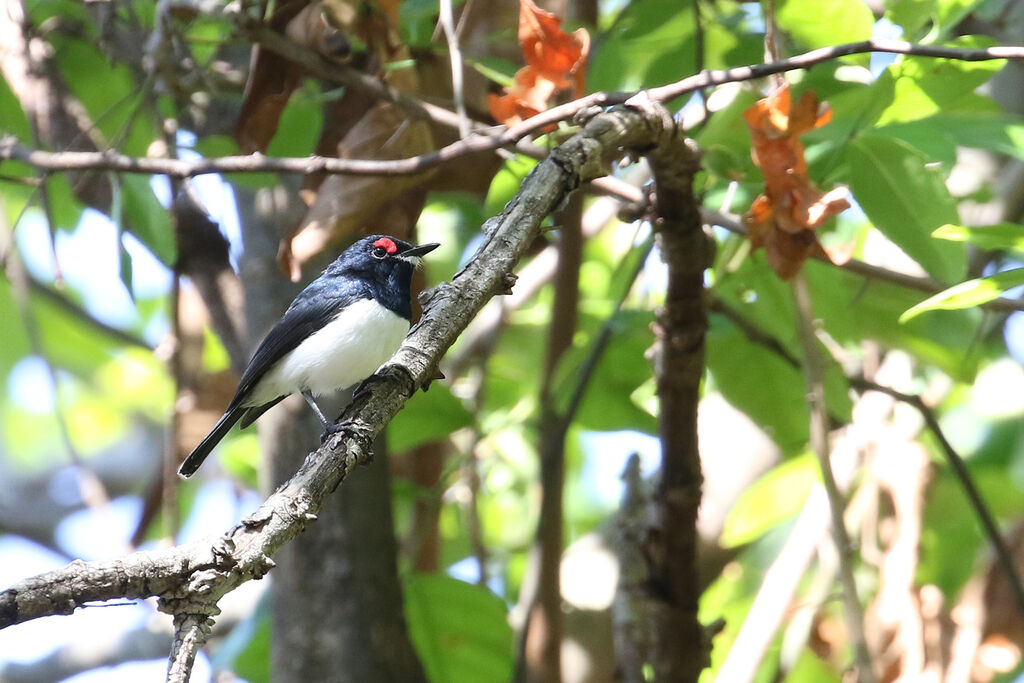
[[814, 373], [455, 54], [542, 638], [427, 466], [190, 632], [680, 651]]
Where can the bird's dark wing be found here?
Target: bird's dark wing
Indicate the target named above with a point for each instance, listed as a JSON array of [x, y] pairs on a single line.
[[312, 309]]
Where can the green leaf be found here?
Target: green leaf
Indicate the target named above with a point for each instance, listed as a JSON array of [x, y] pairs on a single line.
[[998, 236], [999, 132], [775, 497], [970, 293], [428, 416], [124, 269], [506, 183], [299, 126], [216, 146], [912, 15], [854, 309], [501, 71], [460, 630], [949, 13], [652, 43], [907, 200], [820, 24], [764, 386], [608, 404], [110, 94], [938, 136], [147, 219], [11, 114], [923, 87]]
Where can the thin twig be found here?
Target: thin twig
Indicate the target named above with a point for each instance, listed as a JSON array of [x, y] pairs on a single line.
[[1003, 554], [455, 54], [867, 270], [63, 161], [814, 371], [956, 462]]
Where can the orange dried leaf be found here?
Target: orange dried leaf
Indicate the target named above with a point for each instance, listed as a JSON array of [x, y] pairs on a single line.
[[552, 52], [555, 60], [784, 218]]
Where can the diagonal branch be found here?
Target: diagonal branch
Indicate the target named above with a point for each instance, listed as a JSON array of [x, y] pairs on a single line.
[[190, 579], [1003, 555]]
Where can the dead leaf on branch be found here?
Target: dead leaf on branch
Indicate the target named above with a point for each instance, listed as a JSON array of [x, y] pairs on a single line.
[[329, 27], [344, 204], [555, 61], [783, 220], [273, 78]]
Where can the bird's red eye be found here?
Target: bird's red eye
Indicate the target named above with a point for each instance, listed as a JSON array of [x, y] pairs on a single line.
[[385, 244]]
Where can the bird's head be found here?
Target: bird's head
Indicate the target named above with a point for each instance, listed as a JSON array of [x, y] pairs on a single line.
[[381, 258]]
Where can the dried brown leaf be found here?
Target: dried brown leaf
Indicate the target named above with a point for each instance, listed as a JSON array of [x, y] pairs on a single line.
[[345, 204]]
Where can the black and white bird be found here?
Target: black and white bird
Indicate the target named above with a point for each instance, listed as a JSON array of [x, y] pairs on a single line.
[[337, 332]]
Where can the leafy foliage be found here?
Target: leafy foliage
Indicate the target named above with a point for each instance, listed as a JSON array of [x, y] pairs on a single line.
[[84, 356]]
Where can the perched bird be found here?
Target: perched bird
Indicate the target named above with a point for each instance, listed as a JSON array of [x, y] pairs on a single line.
[[338, 331]]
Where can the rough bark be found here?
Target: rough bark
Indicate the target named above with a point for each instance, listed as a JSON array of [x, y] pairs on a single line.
[[680, 650], [335, 595]]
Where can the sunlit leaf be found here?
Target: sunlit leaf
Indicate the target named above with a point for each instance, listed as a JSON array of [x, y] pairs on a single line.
[[907, 200], [429, 416], [970, 293], [774, 498], [927, 86], [819, 24], [460, 630], [998, 236]]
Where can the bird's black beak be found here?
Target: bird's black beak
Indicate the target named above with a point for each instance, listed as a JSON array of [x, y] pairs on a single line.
[[420, 250]]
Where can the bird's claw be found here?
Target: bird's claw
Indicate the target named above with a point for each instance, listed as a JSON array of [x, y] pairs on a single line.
[[330, 430]]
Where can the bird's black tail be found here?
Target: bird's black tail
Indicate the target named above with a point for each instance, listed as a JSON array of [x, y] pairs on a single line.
[[197, 456]]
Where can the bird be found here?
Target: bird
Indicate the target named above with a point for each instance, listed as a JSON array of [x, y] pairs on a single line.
[[338, 331]]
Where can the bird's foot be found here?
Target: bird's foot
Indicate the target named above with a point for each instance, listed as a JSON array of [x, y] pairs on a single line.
[[332, 428]]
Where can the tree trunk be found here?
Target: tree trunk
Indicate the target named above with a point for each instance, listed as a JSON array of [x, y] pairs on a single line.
[[336, 601]]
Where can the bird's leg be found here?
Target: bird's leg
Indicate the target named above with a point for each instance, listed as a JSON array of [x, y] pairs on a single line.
[[329, 427]]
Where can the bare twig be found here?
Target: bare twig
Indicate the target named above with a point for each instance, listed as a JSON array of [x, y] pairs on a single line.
[[872, 272], [455, 54], [66, 161], [1003, 554], [814, 371], [681, 649]]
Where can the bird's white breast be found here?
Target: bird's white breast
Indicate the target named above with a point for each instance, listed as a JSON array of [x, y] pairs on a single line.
[[343, 352]]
